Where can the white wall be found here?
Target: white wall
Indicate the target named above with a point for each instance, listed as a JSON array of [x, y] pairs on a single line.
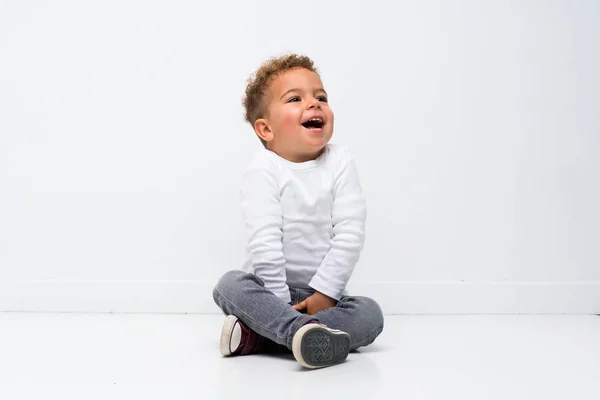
[[475, 125]]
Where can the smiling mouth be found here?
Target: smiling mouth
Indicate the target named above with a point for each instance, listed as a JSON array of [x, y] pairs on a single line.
[[314, 123]]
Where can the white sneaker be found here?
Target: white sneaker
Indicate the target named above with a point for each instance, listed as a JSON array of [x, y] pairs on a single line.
[[238, 339], [231, 335], [317, 346]]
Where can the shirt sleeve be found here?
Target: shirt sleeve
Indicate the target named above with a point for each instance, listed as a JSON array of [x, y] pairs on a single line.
[[348, 217], [263, 220]]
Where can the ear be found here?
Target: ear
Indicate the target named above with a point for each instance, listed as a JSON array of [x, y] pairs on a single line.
[[263, 130]]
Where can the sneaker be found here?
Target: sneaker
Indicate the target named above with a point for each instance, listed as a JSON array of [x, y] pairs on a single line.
[[316, 346], [238, 339]]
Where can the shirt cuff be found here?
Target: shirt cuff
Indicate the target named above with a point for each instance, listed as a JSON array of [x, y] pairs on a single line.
[[320, 285]]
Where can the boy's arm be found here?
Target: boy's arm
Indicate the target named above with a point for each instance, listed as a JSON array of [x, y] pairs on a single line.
[[348, 216], [263, 219]]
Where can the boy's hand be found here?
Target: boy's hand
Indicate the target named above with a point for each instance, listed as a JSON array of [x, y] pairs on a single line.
[[315, 303]]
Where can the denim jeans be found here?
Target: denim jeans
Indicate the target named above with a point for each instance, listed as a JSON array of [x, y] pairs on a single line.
[[244, 295]]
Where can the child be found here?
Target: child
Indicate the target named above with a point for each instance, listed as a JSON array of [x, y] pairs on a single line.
[[305, 213]]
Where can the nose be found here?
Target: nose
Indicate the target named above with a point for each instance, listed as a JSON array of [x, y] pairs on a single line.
[[314, 103]]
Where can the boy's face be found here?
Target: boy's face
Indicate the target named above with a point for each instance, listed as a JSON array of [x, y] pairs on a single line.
[[299, 122]]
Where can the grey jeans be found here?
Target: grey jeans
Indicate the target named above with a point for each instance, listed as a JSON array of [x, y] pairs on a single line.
[[244, 295]]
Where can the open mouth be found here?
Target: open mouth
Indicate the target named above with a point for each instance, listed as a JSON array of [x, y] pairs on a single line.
[[314, 124]]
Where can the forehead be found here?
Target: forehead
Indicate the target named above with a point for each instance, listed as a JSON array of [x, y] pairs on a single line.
[[298, 78]]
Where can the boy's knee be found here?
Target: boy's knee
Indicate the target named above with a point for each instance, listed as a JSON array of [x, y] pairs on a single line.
[[226, 286], [228, 281], [372, 309], [232, 282]]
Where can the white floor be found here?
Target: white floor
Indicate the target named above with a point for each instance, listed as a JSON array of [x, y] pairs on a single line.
[[86, 356]]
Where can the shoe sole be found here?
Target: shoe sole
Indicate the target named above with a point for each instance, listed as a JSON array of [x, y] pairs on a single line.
[[226, 332], [315, 346]]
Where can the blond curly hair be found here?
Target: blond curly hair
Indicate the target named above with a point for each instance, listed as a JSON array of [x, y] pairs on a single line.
[[254, 98]]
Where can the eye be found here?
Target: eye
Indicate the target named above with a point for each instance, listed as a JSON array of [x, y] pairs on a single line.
[[322, 98], [294, 99]]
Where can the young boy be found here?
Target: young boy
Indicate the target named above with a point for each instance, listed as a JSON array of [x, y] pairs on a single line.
[[305, 213]]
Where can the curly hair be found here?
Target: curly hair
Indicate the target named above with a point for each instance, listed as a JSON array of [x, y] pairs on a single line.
[[254, 98]]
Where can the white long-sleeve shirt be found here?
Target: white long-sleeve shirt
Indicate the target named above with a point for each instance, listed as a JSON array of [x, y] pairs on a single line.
[[305, 221]]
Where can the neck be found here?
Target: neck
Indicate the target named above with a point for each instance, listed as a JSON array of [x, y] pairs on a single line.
[[295, 157]]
